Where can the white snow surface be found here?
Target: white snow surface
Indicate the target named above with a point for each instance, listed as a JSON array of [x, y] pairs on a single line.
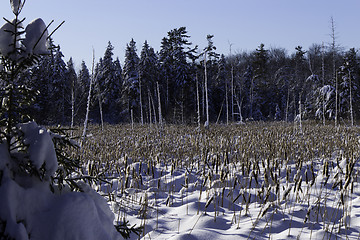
[[41, 148], [180, 204], [35, 41], [32, 211], [6, 38]]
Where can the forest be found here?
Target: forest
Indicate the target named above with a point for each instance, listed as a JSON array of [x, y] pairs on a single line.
[[265, 179], [184, 84]]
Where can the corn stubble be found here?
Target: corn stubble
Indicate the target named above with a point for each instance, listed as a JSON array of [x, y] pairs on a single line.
[[259, 172]]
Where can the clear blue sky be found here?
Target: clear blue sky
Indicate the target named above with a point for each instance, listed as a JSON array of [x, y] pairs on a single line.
[[244, 23]]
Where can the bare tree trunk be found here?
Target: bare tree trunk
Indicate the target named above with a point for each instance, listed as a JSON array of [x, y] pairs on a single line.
[[132, 118], [351, 106], [219, 115], [287, 105], [251, 97], [88, 100], [323, 84], [167, 95], [226, 102], [232, 92], [241, 120], [333, 49], [182, 106], [232, 85], [203, 100], [149, 102], [198, 102], [300, 114], [141, 106], [159, 102], [206, 93], [153, 107], [336, 99], [101, 112], [72, 106]]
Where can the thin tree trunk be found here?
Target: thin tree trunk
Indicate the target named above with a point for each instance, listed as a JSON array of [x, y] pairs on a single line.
[[88, 100], [287, 105], [240, 112], [351, 106], [333, 49], [251, 97], [153, 107], [232, 85], [141, 106], [159, 103], [198, 102], [182, 106], [101, 112], [323, 83], [336, 99], [226, 102], [132, 118], [150, 114], [206, 94], [219, 115], [232, 92], [300, 114], [72, 107]]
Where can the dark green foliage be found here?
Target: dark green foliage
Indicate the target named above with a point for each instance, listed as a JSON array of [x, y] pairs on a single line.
[[125, 231], [268, 84], [130, 87]]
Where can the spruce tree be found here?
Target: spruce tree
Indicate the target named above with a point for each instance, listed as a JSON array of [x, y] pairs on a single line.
[[130, 95], [177, 81], [59, 89], [149, 75], [348, 85], [83, 82], [71, 77], [107, 87]]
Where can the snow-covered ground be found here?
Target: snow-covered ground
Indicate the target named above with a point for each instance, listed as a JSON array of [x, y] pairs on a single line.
[[214, 197], [184, 205], [242, 182]]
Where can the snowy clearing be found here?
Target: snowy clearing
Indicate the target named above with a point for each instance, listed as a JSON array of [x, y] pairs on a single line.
[[255, 181]]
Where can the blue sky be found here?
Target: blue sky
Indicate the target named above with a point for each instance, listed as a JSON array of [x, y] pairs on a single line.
[[244, 23]]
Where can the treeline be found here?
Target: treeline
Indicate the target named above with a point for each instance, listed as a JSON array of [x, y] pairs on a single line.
[[184, 84]]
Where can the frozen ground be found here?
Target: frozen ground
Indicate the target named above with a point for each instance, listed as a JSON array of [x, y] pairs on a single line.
[[200, 202], [183, 184]]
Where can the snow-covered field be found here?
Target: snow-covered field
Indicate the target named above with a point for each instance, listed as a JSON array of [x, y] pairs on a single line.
[[256, 181]]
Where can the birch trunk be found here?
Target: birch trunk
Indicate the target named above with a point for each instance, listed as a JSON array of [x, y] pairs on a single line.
[[159, 103], [141, 106], [206, 93], [88, 101], [351, 106]]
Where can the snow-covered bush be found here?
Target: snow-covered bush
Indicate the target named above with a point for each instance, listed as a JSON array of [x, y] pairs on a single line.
[[36, 199]]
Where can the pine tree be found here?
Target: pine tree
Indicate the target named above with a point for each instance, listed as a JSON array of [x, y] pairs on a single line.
[[59, 89], [71, 77], [149, 75], [220, 91], [83, 83], [260, 85], [348, 85], [39, 76], [210, 58], [176, 71], [107, 87], [300, 74], [130, 95]]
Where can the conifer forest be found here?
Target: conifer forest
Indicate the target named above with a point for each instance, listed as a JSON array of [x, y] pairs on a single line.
[[181, 83]]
